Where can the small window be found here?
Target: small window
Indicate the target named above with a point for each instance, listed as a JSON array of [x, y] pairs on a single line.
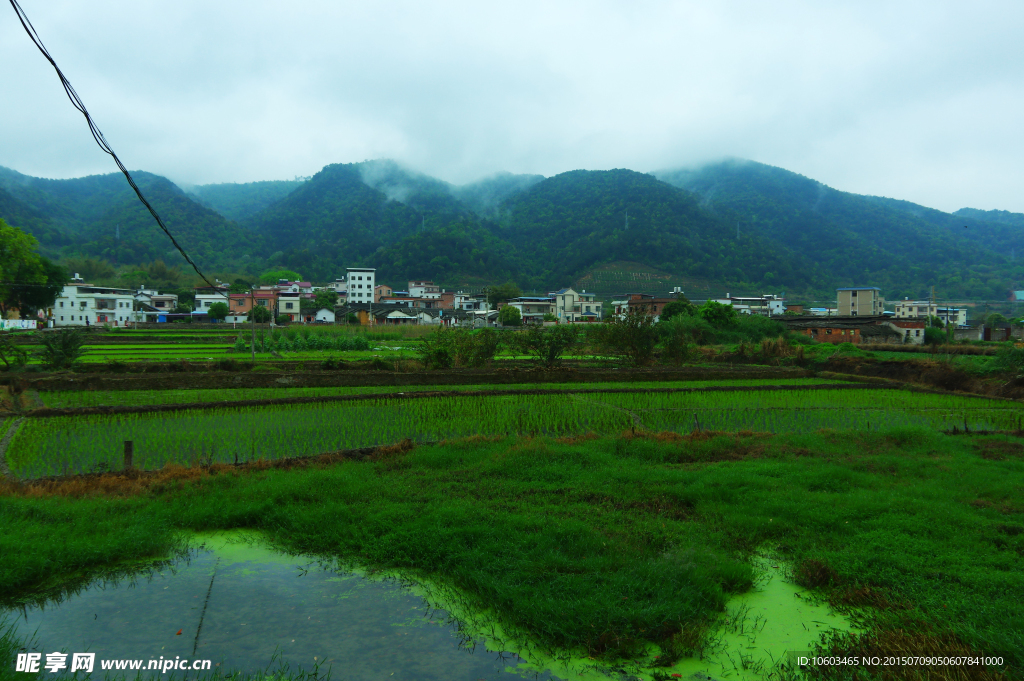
[[288, 306]]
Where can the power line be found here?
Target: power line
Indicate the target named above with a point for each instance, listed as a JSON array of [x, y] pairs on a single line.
[[96, 134]]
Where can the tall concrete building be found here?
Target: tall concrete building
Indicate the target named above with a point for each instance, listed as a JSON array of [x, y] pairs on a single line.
[[860, 301]]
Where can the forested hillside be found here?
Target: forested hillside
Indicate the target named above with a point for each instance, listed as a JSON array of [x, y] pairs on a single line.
[[239, 201], [574, 221], [860, 240], [83, 217], [739, 225]]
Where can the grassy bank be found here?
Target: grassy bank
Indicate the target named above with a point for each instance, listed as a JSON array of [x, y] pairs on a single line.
[[601, 544]]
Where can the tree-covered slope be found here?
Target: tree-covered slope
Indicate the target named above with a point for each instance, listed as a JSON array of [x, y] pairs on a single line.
[[857, 240], [237, 201], [83, 216], [484, 197], [26, 218], [406, 225], [569, 223]]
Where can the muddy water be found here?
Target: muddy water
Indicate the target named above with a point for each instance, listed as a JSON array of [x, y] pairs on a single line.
[[247, 608]]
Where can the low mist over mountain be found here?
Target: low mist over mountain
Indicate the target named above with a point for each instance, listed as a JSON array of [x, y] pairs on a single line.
[[239, 201], [735, 224]]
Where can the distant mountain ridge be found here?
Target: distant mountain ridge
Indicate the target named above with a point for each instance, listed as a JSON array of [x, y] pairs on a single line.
[[739, 224]]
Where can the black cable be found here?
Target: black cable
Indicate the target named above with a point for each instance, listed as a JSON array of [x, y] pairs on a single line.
[[97, 135]]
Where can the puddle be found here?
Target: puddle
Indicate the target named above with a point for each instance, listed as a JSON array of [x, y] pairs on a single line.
[[249, 608], [264, 609], [763, 625]]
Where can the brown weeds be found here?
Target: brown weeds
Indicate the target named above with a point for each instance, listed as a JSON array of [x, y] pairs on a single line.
[[997, 450], [814, 574], [134, 483]]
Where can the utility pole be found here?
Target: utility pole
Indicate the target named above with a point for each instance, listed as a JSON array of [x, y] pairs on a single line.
[[252, 318], [627, 220]]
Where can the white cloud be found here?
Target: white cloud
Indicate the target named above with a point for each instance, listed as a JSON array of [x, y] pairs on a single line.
[[912, 100]]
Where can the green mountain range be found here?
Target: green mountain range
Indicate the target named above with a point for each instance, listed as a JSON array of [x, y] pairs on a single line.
[[734, 225]]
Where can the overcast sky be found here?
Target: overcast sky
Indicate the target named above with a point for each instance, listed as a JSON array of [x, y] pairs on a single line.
[[915, 100]]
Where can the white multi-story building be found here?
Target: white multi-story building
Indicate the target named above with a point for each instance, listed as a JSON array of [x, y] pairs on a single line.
[[80, 304], [206, 297], [952, 316], [915, 309], [571, 306], [360, 283], [424, 289]]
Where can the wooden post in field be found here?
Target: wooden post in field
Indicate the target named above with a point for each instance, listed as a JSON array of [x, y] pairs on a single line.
[[128, 451]]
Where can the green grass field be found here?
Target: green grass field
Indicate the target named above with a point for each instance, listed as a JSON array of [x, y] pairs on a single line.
[[602, 546]]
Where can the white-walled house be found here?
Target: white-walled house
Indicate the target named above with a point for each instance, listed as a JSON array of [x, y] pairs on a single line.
[[424, 289], [360, 284], [206, 297], [571, 306], [84, 305]]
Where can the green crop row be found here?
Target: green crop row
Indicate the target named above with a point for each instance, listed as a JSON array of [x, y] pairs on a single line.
[[83, 443], [103, 398]]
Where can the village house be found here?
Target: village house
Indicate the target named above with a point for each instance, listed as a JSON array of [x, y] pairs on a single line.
[[206, 296], [533, 310], [649, 303], [360, 284], [289, 305], [765, 305], [923, 309], [571, 306], [424, 289], [857, 330], [859, 301], [914, 309], [80, 304]]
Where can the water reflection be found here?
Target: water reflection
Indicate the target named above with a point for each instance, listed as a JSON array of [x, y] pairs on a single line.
[[244, 606]]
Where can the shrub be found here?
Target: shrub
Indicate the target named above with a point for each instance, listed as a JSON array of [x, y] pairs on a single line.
[[681, 306], [509, 316], [446, 348], [633, 335], [11, 354], [547, 343], [218, 311], [1010, 358], [717, 314], [259, 314], [692, 329], [62, 349], [934, 336]]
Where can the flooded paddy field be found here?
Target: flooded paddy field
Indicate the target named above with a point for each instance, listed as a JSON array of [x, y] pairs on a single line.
[[70, 444], [247, 608]]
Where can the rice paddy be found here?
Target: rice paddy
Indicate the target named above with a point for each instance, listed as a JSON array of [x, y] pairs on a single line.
[[72, 399], [85, 443]]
